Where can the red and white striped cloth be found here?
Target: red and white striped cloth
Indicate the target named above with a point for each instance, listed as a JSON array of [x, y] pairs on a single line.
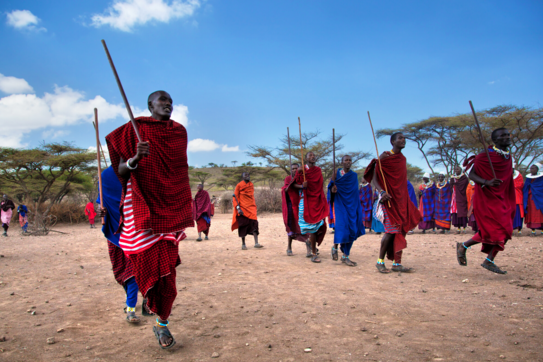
[[134, 241]]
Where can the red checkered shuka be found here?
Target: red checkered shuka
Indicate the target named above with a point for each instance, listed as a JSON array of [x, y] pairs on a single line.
[[134, 241], [161, 192], [155, 275], [120, 263]]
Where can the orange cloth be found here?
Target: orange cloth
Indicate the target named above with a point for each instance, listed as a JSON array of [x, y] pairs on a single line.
[[245, 194], [519, 185], [469, 194]]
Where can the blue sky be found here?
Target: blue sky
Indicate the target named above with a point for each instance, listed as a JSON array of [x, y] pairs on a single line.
[[240, 72]]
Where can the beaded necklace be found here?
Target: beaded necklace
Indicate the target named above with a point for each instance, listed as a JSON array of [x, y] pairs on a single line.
[[505, 154]]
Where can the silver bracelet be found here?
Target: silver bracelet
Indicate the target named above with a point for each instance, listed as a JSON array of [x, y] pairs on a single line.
[[128, 165]]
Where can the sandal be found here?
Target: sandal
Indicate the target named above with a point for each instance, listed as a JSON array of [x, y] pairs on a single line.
[[162, 330], [258, 246], [315, 259], [382, 268], [206, 238], [461, 254], [199, 239], [401, 268], [131, 316], [347, 261], [145, 311], [493, 268], [334, 254], [289, 253], [243, 247]]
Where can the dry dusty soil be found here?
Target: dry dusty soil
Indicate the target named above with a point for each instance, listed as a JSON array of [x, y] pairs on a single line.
[[261, 305]]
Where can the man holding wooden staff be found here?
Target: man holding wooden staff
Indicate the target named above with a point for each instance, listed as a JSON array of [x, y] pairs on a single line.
[[349, 222], [312, 208], [156, 203], [494, 200], [289, 198], [400, 214]]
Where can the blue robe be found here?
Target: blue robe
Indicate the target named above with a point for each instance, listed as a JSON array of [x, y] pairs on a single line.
[[111, 191], [536, 185], [348, 219]]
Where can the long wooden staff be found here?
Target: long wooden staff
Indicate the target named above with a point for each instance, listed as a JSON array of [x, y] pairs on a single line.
[[289, 154], [122, 91], [378, 158], [334, 152], [99, 161], [101, 149], [482, 138], [301, 147]]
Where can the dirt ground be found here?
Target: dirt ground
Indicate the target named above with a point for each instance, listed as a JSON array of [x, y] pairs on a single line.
[[261, 305]]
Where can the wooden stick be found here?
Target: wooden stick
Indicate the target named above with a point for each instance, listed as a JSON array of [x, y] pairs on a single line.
[[334, 152], [289, 154], [378, 158], [301, 147], [99, 163], [482, 138], [122, 91], [101, 149]]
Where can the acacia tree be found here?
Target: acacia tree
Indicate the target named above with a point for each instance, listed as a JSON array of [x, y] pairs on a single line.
[[278, 157], [447, 141], [42, 174], [201, 176]]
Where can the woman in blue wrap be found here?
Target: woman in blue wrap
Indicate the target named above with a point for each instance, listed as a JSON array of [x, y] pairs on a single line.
[[348, 218]]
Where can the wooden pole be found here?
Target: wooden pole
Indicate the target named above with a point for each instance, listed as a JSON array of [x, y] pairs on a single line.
[[334, 153], [101, 149], [99, 163], [127, 105], [378, 158], [301, 146], [482, 138], [289, 155]]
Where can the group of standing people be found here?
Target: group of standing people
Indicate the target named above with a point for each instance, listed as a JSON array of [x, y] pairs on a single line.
[[6, 213]]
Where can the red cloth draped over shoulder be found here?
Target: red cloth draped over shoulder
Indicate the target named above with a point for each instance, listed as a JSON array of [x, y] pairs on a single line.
[[494, 207], [519, 197], [89, 210], [461, 185], [245, 193], [201, 204], [315, 204], [162, 200], [288, 191], [401, 211]]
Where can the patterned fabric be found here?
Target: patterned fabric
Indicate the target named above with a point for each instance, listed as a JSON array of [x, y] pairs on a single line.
[[442, 199], [134, 241], [427, 202], [155, 275], [305, 227], [160, 184], [389, 227], [201, 204], [453, 201], [23, 221], [290, 199], [121, 264], [366, 202]]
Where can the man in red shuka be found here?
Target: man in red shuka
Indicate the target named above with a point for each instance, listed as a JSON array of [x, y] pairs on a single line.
[[202, 212], [400, 214], [155, 205], [494, 200]]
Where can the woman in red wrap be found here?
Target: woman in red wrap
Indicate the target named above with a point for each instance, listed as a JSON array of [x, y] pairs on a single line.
[[202, 212], [400, 214], [311, 208], [494, 200], [155, 205]]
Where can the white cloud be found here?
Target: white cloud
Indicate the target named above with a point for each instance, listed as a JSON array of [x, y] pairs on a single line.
[[12, 85], [52, 134], [202, 145], [23, 113], [225, 148], [24, 20], [124, 15]]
